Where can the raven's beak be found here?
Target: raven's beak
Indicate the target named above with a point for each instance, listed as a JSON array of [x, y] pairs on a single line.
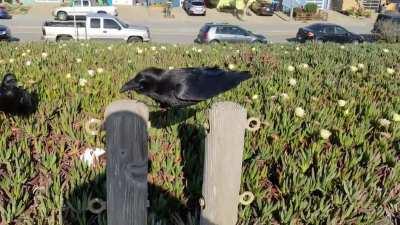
[[131, 85]]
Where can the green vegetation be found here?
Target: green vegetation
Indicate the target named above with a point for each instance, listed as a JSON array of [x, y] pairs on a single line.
[[328, 151], [310, 8]]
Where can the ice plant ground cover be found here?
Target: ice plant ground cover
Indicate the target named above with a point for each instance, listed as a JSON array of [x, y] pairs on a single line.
[[335, 161]]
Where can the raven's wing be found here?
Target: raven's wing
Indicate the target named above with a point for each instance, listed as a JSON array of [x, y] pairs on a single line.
[[199, 84]]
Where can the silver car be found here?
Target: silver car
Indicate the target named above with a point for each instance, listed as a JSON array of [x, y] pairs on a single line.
[[194, 7], [223, 32]]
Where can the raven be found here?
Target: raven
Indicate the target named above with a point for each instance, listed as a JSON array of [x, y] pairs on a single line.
[[185, 86], [13, 99]]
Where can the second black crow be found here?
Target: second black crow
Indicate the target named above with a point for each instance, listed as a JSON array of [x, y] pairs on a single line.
[[185, 86], [13, 99]]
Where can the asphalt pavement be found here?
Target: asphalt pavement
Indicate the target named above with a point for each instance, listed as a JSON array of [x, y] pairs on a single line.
[[183, 28]]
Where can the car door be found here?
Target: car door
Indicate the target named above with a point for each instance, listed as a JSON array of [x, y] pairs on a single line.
[[342, 35], [241, 35], [112, 30], [328, 34], [224, 34], [94, 30]]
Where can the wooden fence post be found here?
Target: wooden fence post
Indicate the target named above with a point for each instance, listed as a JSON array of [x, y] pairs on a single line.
[[223, 164], [127, 162]]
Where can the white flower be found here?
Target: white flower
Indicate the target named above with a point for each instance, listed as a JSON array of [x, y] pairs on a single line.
[[390, 71], [153, 48], [91, 72], [139, 51], [28, 51], [342, 47], [385, 50], [254, 97], [292, 82], [286, 52], [129, 61], [82, 82], [353, 69], [163, 48], [290, 68], [325, 134], [396, 117], [360, 66], [273, 97], [199, 50], [23, 54], [297, 48], [253, 49], [12, 60], [304, 66], [109, 47], [281, 46], [28, 63], [285, 96], [299, 112], [237, 51], [187, 52], [68, 76], [384, 122], [171, 68], [91, 155], [64, 45], [231, 66], [175, 45], [78, 60], [87, 44], [82, 44], [100, 70], [342, 103], [346, 112], [44, 55]]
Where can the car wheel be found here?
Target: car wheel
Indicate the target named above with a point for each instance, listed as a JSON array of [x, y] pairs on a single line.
[[204, 14], [63, 38], [62, 16], [214, 42], [134, 39]]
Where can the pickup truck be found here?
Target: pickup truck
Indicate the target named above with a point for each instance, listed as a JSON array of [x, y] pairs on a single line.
[[95, 27], [80, 8]]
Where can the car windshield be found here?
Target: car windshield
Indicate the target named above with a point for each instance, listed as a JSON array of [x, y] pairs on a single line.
[[198, 3], [122, 23]]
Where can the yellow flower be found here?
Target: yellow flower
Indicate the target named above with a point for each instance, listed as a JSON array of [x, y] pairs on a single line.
[[139, 51], [297, 48], [253, 49], [360, 66], [91, 73], [68, 76], [23, 54], [28, 63], [353, 69], [390, 71], [385, 50], [396, 117], [11, 60], [78, 60], [199, 50], [163, 48], [82, 82], [100, 70], [299, 112], [44, 55], [304, 66], [254, 97], [231, 66], [153, 48], [285, 96], [325, 134], [290, 68], [171, 68], [342, 103], [342, 47]]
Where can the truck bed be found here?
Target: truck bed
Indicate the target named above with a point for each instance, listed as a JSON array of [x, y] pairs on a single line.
[[64, 24]]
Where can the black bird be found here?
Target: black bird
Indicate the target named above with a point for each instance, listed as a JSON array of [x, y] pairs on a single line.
[[13, 99], [185, 86]]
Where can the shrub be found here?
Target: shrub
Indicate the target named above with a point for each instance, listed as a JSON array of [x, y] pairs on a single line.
[[389, 31], [311, 8]]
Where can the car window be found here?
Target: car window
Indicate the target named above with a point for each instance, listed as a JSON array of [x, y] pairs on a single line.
[[77, 3], [329, 30], [110, 24], [94, 23], [224, 30], [340, 30], [239, 31], [198, 3], [85, 3]]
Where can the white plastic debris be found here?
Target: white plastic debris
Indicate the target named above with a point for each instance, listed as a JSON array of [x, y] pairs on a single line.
[[90, 156]]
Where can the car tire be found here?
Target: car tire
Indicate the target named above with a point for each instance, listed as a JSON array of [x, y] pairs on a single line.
[[214, 42], [204, 14], [63, 38], [134, 40], [62, 16]]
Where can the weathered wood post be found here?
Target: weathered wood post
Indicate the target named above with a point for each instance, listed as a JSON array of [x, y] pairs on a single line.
[[223, 164], [127, 162]]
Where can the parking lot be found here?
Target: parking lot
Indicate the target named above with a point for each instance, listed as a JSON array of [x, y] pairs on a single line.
[[183, 28]]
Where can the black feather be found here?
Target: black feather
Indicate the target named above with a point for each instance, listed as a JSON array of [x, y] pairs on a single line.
[[15, 100], [185, 86]]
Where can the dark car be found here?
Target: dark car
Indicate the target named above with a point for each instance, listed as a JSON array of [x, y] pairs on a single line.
[[4, 13], [224, 32], [263, 8], [389, 23], [326, 32], [5, 34]]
